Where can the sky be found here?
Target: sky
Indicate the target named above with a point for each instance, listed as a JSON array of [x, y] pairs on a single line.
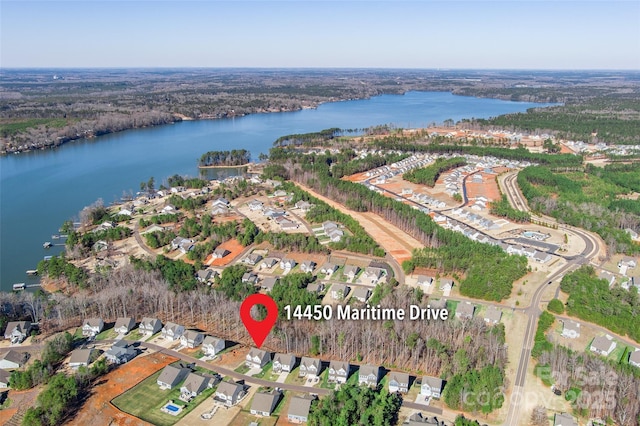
[[329, 34]]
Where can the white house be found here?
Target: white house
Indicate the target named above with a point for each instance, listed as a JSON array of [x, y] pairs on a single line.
[[257, 358], [283, 363], [211, 346], [229, 393], [570, 329], [11, 360], [124, 325], [17, 331], [338, 371], [172, 331], [431, 387], [309, 367], [603, 345], [92, 326], [150, 326], [191, 338]]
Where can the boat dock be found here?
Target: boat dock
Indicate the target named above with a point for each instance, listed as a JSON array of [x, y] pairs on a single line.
[[22, 286], [32, 272], [47, 244]]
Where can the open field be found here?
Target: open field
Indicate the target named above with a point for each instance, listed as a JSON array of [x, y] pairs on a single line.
[[234, 247], [98, 410]]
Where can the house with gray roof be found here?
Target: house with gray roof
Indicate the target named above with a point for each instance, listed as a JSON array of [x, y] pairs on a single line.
[[204, 275], [425, 280], [564, 419], [269, 262], [268, 283], [492, 315], [603, 345], [315, 287], [11, 359], [417, 419], [120, 352], [229, 393], [191, 338], [264, 403], [257, 358], [465, 310], [124, 325], [328, 268], [446, 284], [369, 375], [542, 257], [339, 291], [17, 331], [253, 259], [80, 358], [338, 371], [172, 331], [299, 408], [149, 326], [171, 376], [211, 346], [4, 379], [249, 277], [219, 253], [309, 367], [570, 329], [607, 276], [431, 387], [634, 358], [398, 382], [283, 363], [193, 385], [362, 294], [373, 275], [92, 326], [350, 271], [308, 266]]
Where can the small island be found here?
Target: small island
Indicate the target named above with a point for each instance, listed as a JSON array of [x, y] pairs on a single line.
[[233, 158]]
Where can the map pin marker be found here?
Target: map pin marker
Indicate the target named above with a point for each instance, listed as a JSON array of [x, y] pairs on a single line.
[[259, 330]]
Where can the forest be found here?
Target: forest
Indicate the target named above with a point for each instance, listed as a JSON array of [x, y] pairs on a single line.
[[591, 299], [502, 208], [235, 157], [588, 200], [430, 174]]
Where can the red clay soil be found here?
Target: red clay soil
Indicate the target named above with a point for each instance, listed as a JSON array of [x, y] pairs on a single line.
[[233, 246], [488, 188], [98, 410]]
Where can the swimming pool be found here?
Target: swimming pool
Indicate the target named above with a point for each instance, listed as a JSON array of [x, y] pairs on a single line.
[[173, 408]]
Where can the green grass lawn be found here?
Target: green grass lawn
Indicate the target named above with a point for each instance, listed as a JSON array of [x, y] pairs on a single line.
[[293, 378], [242, 369], [107, 334], [324, 380], [617, 353], [134, 335], [451, 306], [145, 400], [266, 369]]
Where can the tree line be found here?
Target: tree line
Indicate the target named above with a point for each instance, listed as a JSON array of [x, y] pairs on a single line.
[[429, 175], [235, 157]]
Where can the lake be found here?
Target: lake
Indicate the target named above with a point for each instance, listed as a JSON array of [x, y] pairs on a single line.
[[40, 190]]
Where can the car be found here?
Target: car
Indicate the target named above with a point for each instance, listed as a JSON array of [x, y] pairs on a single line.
[[549, 283]]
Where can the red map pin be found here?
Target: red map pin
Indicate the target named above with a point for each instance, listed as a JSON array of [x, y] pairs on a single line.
[[259, 330]]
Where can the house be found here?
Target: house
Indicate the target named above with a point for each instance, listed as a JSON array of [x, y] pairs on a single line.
[[529, 252], [219, 253], [316, 287], [273, 213], [204, 275], [628, 262], [634, 358], [125, 212], [229, 393], [603, 345], [211, 346], [269, 263], [193, 385], [191, 338], [221, 202], [328, 268], [120, 352], [168, 209], [283, 363], [287, 264], [492, 315], [304, 205], [570, 329], [172, 331], [339, 291], [368, 375], [249, 277], [308, 266], [309, 367], [373, 275], [335, 235], [328, 226], [17, 331], [425, 280], [92, 326], [264, 403], [171, 376], [564, 419], [542, 257], [124, 325], [4, 379], [286, 223], [446, 284], [465, 310], [150, 326], [607, 276], [268, 283], [12, 359], [80, 358], [350, 271], [299, 408], [362, 294], [178, 242], [398, 382], [253, 259], [417, 419], [219, 210], [338, 371], [257, 358], [431, 387], [255, 205]]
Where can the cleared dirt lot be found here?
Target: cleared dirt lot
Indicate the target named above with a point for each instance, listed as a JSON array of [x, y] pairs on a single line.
[[98, 411], [235, 249]]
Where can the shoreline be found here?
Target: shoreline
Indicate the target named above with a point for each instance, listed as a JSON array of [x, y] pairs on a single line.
[[246, 165]]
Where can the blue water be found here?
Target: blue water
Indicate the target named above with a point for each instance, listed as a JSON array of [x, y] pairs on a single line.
[[40, 190], [172, 408]]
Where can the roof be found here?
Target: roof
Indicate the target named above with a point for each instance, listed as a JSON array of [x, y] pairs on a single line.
[[306, 361], [399, 377], [150, 321], [420, 419], [93, 322], [571, 325], [258, 353], [564, 419], [171, 326], [361, 293], [366, 370], [602, 343], [16, 357], [210, 340], [126, 322], [229, 388], [337, 365], [22, 326], [635, 356], [80, 356], [425, 279], [191, 334], [300, 406], [195, 382], [465, 308], [493, 314], [269, 282], [284, 359], [433, 382], [4, 376], [169, 374], [265, 402]]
